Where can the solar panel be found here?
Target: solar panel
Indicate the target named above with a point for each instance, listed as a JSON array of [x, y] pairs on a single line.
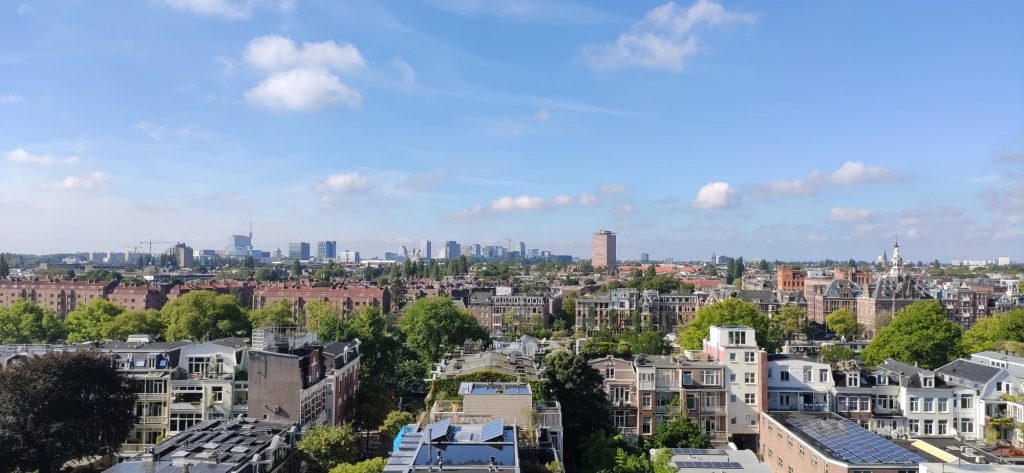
[[493, 430], [438, 430], [852, 443], [716, 465], [697, 451]]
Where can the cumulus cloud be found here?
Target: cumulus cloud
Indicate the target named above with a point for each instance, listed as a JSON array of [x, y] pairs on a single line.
[[856, 172], [11, 98], [87, 181], [663, 39], [303, 77], [344, 183], [229, 9], [848, 214], [467, 214], [22, 156], [523, 202], [589, 200], [561, 200], [715, 195], [783, 188]]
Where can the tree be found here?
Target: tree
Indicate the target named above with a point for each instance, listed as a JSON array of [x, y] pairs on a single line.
[[731, 312], [204, 315], [835, 353], [578, 388], [992, 333], [61, 406], [26, 322], [5, 267], [373, 465], [277, 312], [265, 274], [679, 433], [394, 422], [297, 269], [790, 319], [919, 334], [325, 447], [434, 325], [149, 322], [843, 322], [597, 452], [91, 321]]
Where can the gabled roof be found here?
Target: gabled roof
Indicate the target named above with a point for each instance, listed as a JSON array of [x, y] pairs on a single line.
[[969, 371]]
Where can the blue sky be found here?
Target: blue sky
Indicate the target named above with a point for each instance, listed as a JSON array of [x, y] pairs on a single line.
[[784, 130]]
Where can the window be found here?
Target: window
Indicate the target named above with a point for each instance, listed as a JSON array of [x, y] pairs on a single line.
[[198, 364], [646, 425], [885, 401], [620, 419], [732, 357], [181, 421], [732, 377], [749, 378], [915, 405], [609, 372], [881, 379], [749, 398], [737, 338], [620, 394], [687, 378], [865, 403], [711, 378], [943, 427], [966, 426], [822, 376], [915, 426], [769, 373], [710, 401], [853, 380], [929, 427], [966, 401], [752, 420], [647, 400], [748, 357], [784, 375], [928, 381], [929, 404], [691, 402], [807, 375], [217, 393], [732, 398]]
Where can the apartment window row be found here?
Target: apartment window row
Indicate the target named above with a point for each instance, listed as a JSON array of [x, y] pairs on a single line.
[[940, 404]]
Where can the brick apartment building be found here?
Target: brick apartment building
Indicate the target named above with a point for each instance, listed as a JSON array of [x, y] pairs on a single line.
[[614, 309], [61, 297], [489, 307], [344, 297]]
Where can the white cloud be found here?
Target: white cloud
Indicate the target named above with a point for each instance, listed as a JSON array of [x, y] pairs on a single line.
[[612, 189], [20, 155], [303, 77], [856, 172], [229, 9], [542, 115], [663, 39], [11, 99], [589, 199], [467, 214], [781, 188], [405, 71], [848, 214], [715, 195], [523, 202], [344, 183], [561, 200], [87, 181], [277, 53]]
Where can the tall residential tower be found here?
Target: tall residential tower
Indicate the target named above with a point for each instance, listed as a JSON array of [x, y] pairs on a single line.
[[603, 250]]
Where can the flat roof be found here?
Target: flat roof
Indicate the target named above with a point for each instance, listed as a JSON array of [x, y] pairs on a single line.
[[494, 388], [844, 440]]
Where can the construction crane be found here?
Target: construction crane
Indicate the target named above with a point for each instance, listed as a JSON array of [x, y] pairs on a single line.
[[150, 243]]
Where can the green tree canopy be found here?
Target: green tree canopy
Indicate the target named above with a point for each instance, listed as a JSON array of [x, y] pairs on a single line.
[[842, 322], [61, 406], [679, 433], [149, 321], [835, 353], [578, 388], [790, 319], [326, 447], [277, 312], [92, 320], [992, 333], [26, 322], [435, 325], [394, 422], [731, 312], [919, 334], [373, 465], [204, 315]]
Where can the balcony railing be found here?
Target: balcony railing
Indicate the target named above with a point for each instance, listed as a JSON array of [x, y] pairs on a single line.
[[152, 396], [153, 420], [716, 410], [128, 449]]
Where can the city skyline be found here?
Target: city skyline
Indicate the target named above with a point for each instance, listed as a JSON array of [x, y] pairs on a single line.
[[687, 128]]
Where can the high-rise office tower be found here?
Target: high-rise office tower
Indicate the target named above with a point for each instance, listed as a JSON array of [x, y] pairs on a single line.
[[602, 248]]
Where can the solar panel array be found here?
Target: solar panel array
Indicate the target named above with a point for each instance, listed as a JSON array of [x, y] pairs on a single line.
[[493, 430], [722, 465], [439, 430], [853, 443], [697, 451]]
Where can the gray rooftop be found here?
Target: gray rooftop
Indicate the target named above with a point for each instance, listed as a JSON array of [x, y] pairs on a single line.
[[969, 371]]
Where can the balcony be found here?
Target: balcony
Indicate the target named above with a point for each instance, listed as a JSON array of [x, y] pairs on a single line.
[[132, 449], [157, 420], [152, 396], [713, 410]]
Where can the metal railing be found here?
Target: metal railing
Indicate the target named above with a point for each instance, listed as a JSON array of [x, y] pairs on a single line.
[[153, 420]]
